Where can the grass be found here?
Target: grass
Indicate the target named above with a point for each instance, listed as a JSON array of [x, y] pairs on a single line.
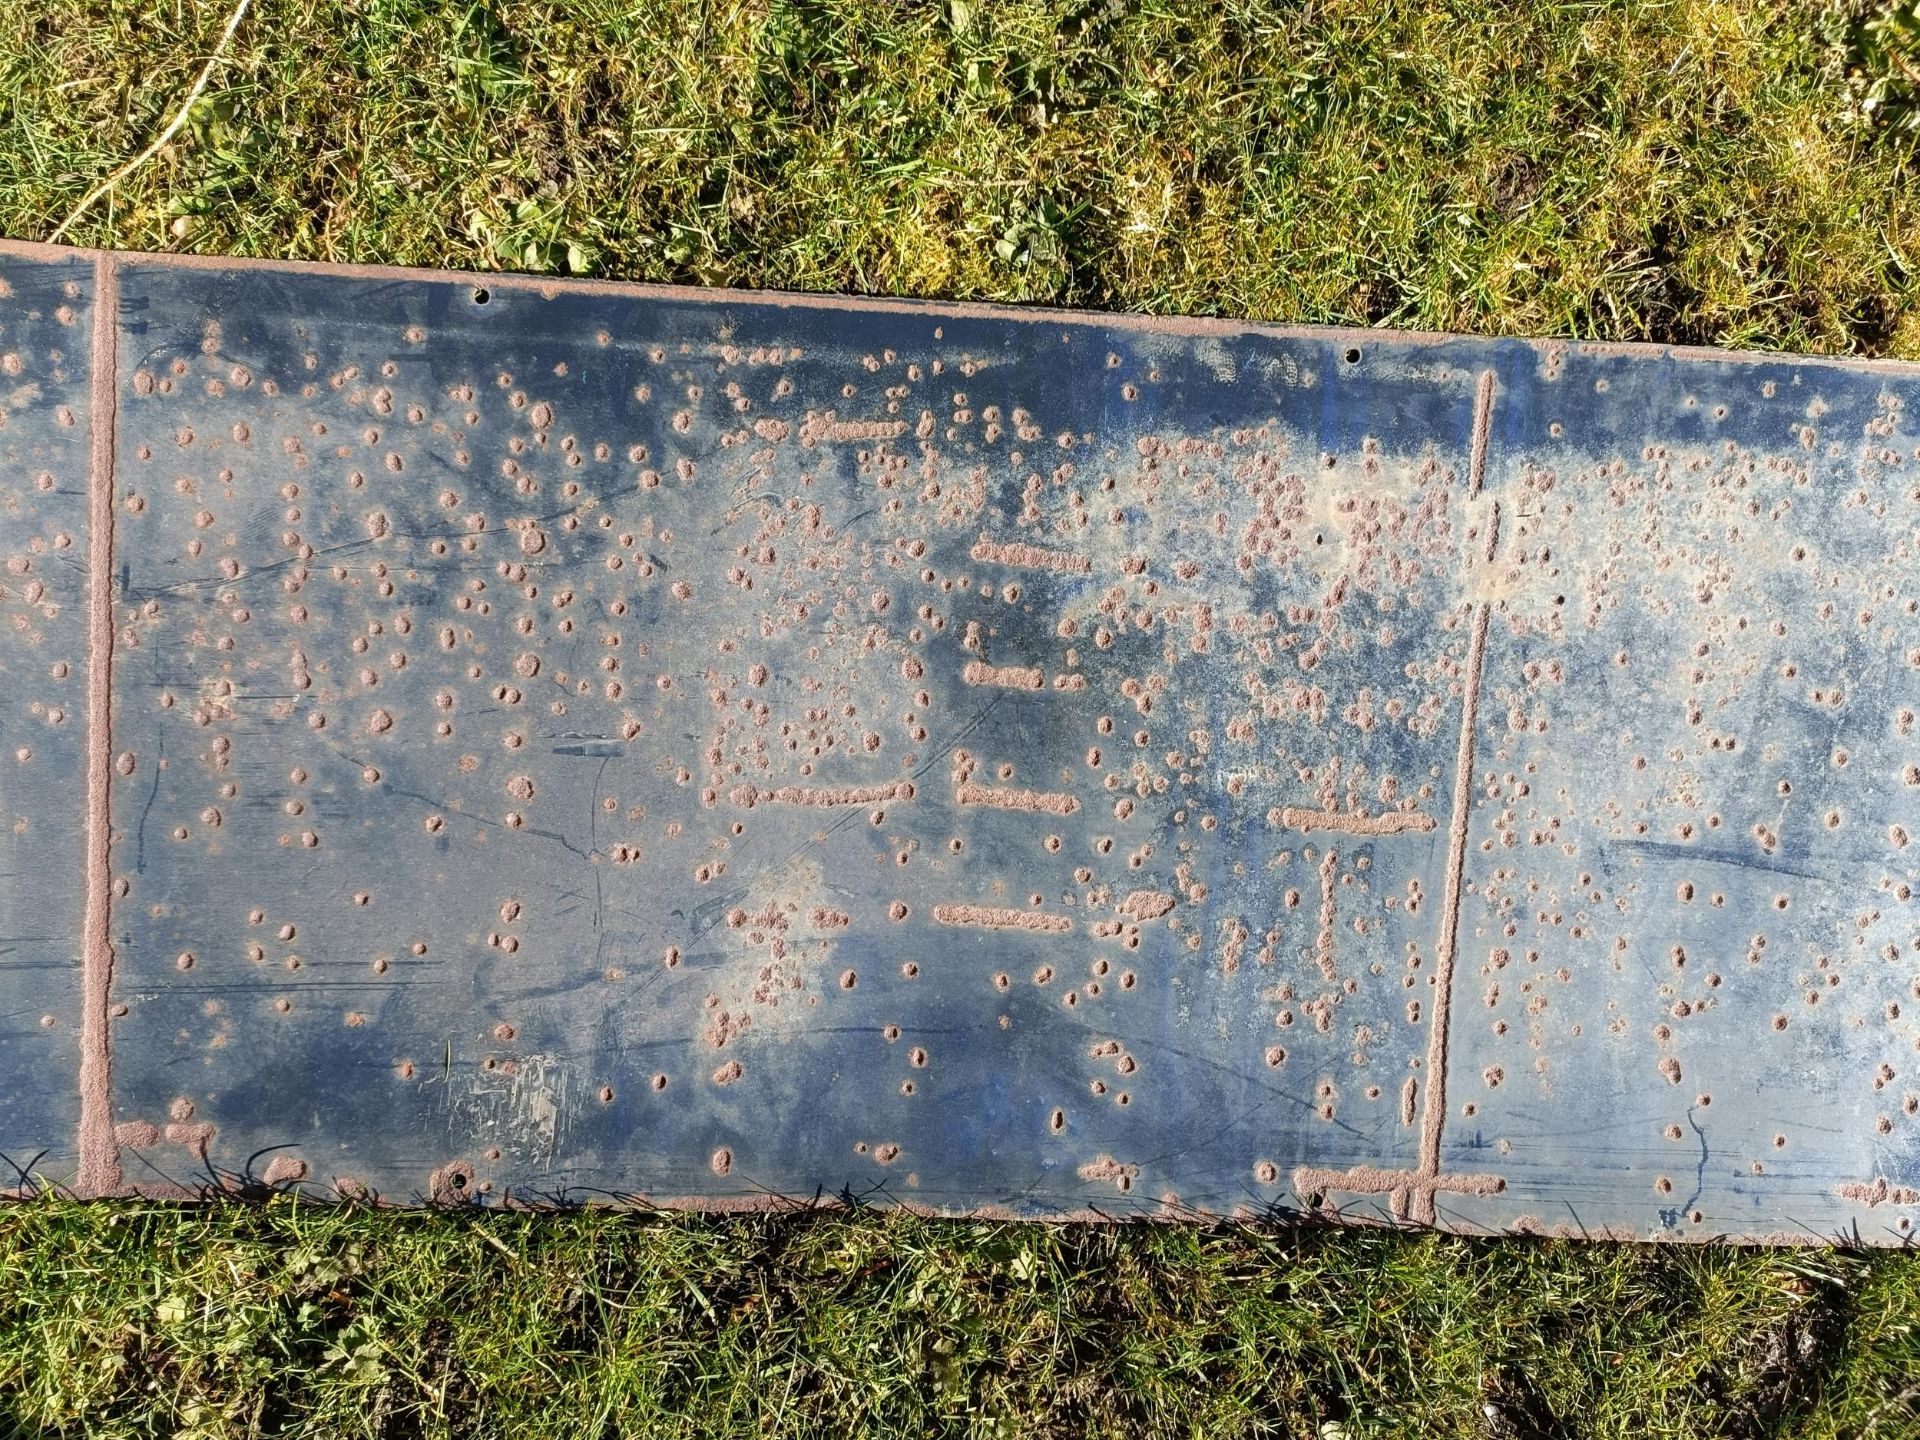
[[298, 1319], [1662, 169], [1715, 171]]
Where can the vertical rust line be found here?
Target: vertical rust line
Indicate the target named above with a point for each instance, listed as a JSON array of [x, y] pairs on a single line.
[[99, 1154], [1433, 1114], [1434, 1118], [1323, 945], [1482, 427]]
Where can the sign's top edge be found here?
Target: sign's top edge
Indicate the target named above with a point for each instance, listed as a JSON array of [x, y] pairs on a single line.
[[1170, 326]]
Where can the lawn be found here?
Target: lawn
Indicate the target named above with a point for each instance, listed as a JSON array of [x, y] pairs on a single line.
[[1726, 172]]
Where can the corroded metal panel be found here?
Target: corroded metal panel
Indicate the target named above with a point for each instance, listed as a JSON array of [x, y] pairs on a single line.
[[587, 742], [1690, 956], [46, 437]]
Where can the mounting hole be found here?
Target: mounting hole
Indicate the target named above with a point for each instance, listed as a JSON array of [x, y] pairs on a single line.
[[481, 295], [1353, 355]]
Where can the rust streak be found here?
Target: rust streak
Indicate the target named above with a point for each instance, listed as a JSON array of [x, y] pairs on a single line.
[[829, 427], [1434, 1118], [1146, 905], [820, 795], [1323, 945], [99, 1170], [1038, 802], [1394, 822], [1371, 1180], [1012, 677], [991, 917], [1482, 428], [1878, 1193], [1031, 557]]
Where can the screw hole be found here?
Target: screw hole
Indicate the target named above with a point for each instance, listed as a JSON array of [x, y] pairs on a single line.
[[1353, 355], [457, 1180], [481, 295]]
